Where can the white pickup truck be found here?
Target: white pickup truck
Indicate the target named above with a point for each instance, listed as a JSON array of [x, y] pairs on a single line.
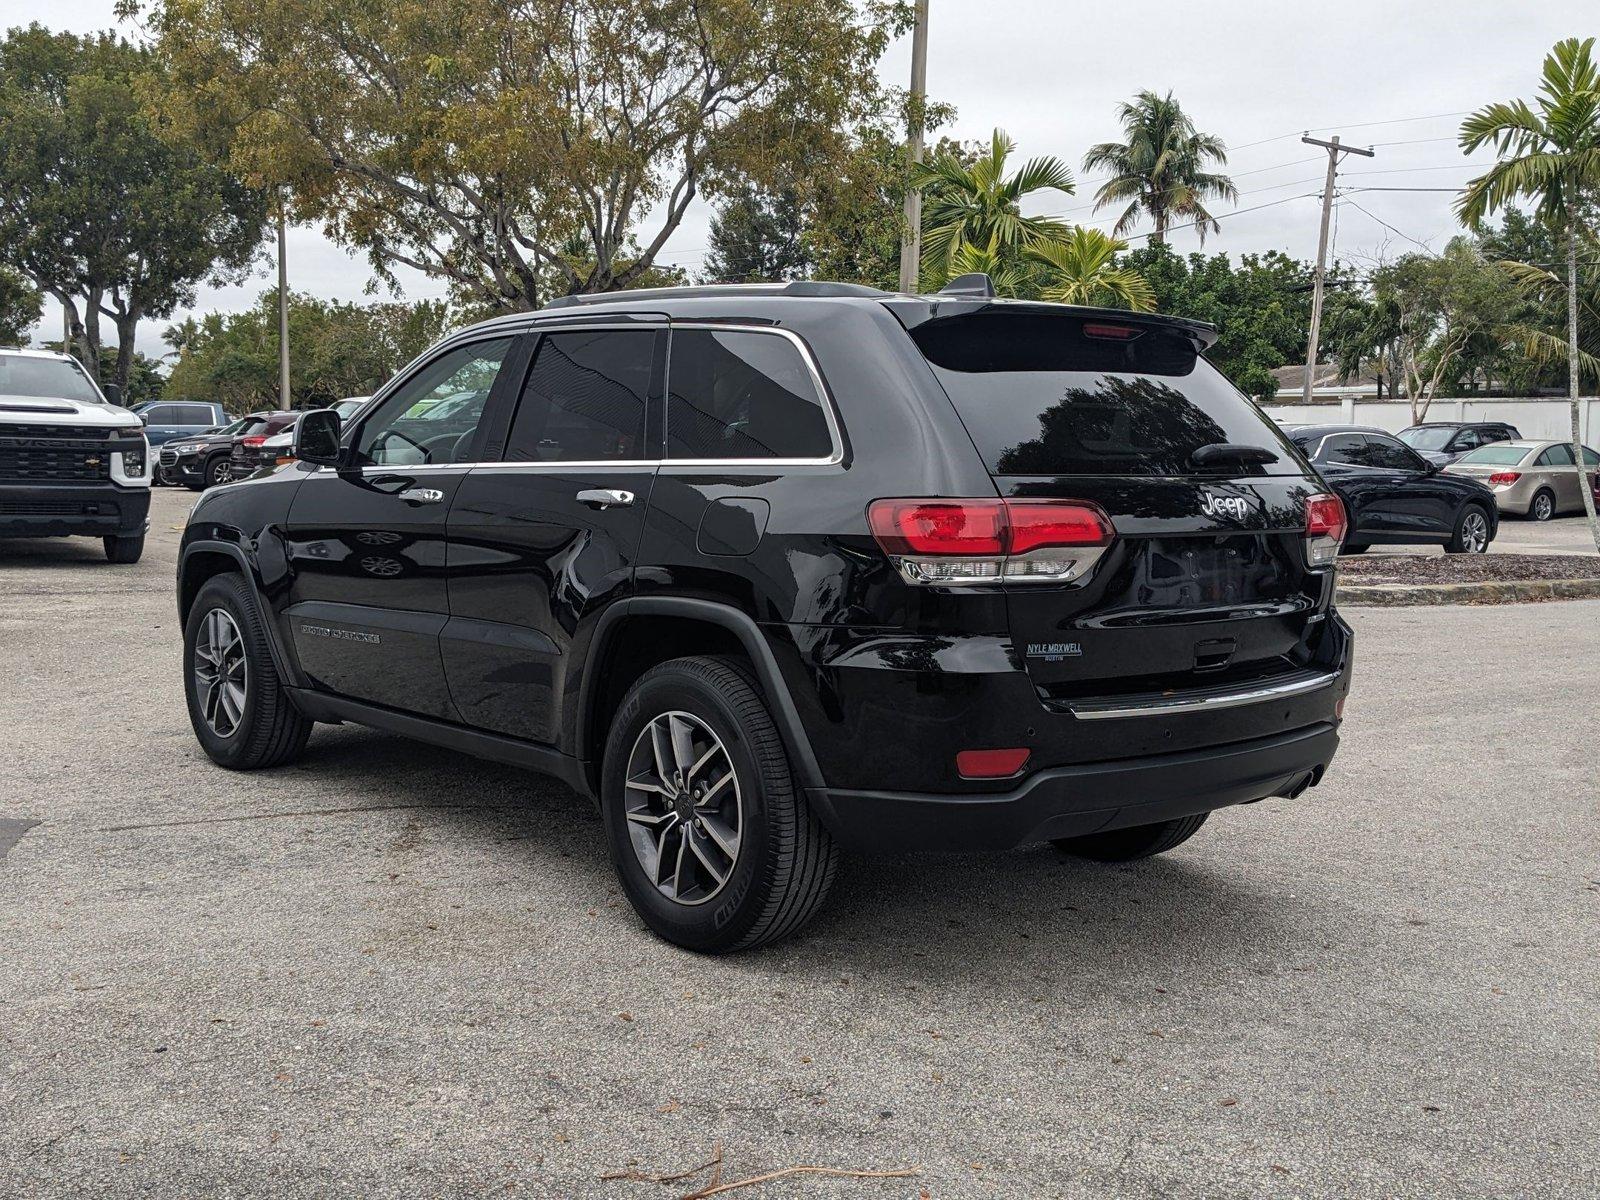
[[71, 462]]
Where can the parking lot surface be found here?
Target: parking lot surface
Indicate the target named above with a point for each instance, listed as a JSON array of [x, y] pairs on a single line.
[[389, 970], [1564, 535]]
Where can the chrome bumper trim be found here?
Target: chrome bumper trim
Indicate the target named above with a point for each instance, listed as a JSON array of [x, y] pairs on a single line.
[[1109, 710]]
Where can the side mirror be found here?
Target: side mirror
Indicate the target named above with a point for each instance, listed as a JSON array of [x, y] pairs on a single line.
[[316, 438], [113, 394]]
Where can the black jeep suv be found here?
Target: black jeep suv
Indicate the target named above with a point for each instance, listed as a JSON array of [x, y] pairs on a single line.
[[770, 571]]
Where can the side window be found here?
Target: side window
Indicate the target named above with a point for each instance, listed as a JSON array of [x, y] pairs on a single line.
[[584, 400], [1556, 456], [1590, 458], [1468, 439], [196, 414], [1347, 449], [1391, 455], [397, 433], [737, 394], [161, 414]]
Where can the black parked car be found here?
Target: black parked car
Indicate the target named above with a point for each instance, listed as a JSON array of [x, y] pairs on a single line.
[[769, 571], [1393, 494], [1442, 442], [202, 462]]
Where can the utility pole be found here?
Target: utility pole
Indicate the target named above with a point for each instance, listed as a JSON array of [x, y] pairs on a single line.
[[283, 314], [911, 241], [1334, 150]]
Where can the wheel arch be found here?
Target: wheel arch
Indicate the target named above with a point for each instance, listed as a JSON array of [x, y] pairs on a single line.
[[639, 632], [203, 561]]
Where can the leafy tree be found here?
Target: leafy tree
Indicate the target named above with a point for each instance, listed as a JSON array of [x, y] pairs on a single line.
[[1161, 168], [1440, 304], [854, 213], [471, 139], [758, 236], [1008, 273], [340, 350], [19, 308], [98, 207], [978, 204], [1549, 154], [1082, 269], [1261, 308]]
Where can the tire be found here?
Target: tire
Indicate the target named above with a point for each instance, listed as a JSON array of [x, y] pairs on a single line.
[[783, 861], [1543, 505], [1355, 547], [1471, 534], [217, 471], [266, 730], [126, 549], [1137, 841]]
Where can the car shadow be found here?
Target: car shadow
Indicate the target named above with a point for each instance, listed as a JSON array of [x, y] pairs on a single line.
[[49, 552], [935, 920]]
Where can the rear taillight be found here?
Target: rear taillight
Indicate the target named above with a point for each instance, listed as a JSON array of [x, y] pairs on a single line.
[[1325, 529], [990, 541], [253, 440], [1505, 477]]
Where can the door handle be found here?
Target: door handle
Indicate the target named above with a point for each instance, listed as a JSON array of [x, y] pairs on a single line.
[[605, 497], [422, 495]]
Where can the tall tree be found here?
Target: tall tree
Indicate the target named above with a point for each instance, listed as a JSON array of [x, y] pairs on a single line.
[[19, 308], [471, 139], [1082, 268], [1549, 152], [98, 208], [976, 203], [757, 237], [1160, 169]]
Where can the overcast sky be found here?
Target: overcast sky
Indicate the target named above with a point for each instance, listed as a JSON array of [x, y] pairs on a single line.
[[1394, 76]]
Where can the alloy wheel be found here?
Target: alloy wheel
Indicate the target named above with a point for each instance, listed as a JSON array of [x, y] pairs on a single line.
[[221, 672], [684, 808], [1543, 507], [1475, 533]]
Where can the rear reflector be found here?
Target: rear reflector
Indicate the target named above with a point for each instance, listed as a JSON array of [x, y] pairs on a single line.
[[1325, 528], [1505, 477], [990, 764], [986, 541]]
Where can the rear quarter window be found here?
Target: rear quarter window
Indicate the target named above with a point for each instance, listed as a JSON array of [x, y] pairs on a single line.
[[1043, 394]]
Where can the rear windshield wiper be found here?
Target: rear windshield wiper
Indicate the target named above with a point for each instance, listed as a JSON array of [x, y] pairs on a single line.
[[1231, 452]]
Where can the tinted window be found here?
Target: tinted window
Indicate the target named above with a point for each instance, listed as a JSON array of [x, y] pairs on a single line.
[[584, 399], [1350, 449], [1056, 395], [1390, 455], [395, 434], [195, 414], [1497, 455], [1590, 458], [742, 395], [1468, 439], [1556, 456], [161, 414]]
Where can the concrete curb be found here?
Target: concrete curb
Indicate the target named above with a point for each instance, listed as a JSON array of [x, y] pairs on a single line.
[[1508, 591]]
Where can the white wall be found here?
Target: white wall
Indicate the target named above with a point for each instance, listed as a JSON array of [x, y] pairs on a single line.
[[1544, 417]]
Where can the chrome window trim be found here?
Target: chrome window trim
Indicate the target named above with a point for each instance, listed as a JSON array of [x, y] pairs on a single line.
[[829, 412], [1112, 710]]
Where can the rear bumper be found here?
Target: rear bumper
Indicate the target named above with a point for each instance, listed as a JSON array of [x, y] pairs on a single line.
[[49, 510], [1075, 800]]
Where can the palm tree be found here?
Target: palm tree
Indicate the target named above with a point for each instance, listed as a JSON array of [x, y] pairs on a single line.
[[979, 205], [1161, 168], [1550, 153], [1082, 269], [1009, 276]]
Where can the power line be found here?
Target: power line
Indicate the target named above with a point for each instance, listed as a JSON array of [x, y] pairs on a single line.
[[1390, 227]]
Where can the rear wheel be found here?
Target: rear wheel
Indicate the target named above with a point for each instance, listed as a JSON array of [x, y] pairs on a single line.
[[126, 549], [237, 704], [1543, 506], [1137, 841], [1471, 534], [715, 845]]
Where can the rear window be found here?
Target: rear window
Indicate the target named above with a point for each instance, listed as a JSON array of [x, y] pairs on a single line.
[[1055, 395], [1427, 437], [1498, 455]]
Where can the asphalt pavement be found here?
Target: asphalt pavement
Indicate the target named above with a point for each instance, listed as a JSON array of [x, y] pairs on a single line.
[[390, 970]]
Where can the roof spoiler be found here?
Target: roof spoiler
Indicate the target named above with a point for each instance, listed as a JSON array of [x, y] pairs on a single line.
[[798, 287]]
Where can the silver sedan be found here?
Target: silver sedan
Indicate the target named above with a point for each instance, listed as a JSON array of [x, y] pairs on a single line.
[[1529, 478]]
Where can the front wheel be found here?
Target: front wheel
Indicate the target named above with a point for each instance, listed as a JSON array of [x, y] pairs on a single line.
[[711, 837], [127, 549], [217, 471], [1471, 534], [1137, 841], [238, 708]]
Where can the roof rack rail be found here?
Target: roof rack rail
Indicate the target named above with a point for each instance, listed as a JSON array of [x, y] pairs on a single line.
[[800, 287]]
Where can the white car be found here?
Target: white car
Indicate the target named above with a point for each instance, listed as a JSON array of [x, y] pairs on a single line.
[[72, 462]]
